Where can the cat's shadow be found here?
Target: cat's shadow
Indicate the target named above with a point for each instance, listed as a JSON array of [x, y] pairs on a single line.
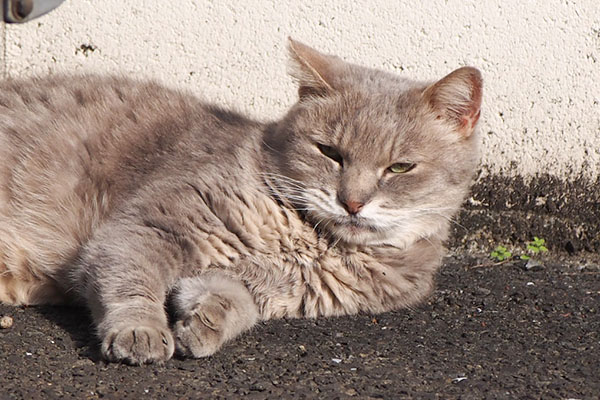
[[76, 322]]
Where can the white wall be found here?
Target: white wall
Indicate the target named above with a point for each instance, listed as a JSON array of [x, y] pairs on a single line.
[[540, 59]]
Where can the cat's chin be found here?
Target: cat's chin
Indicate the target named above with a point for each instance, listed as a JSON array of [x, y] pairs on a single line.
[[353, 231], [363, 235], [370, 239]]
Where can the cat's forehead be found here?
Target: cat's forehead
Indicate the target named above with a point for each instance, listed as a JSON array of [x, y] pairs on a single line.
[[379, 124]]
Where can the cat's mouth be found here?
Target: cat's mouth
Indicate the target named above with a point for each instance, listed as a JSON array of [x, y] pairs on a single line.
[[350, 228], [353, 229], [355, 224]]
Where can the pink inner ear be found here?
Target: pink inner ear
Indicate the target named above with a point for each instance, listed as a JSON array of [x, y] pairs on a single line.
[[470, 118], [468, 121], [457, 98]]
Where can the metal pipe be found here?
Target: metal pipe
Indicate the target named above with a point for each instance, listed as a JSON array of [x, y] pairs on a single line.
[[18, 11]]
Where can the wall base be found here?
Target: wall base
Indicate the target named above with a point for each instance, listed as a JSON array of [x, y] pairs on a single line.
[[510, 211]]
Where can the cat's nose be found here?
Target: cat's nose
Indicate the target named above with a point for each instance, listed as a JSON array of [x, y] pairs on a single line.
[[353, 207]]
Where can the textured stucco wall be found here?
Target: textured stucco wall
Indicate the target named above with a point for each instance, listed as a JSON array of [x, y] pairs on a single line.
[[540, 60]]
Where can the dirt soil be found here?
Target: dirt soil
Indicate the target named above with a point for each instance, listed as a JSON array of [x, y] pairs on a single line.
[[512, 210], [489, 331]]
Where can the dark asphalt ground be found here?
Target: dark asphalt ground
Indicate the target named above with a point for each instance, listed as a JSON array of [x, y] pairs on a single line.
[[488, 332]]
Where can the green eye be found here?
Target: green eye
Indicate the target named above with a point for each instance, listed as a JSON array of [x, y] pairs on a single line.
[[331, 153], [401, 168]]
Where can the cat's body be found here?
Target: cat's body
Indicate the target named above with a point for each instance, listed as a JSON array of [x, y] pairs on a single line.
[[118, 194]]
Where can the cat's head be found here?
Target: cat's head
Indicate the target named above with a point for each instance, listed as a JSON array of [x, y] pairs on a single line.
[[372, 158]]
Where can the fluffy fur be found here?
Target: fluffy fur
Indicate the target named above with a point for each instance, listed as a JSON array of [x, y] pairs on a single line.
[[121, 195]]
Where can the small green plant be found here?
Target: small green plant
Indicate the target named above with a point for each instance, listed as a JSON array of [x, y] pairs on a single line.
[[535, 247], [500, 253]]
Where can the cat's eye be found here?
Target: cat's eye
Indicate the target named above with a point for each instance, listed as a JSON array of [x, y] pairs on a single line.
[[401, 168], [331, 153]]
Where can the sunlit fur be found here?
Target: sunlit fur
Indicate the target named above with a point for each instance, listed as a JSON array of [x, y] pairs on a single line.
[[126, 196]]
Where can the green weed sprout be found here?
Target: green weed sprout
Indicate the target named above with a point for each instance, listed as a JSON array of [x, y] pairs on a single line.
[[536, 246], [500, 253]]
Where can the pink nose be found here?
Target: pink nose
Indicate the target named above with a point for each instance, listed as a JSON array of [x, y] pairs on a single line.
[[353, 207]]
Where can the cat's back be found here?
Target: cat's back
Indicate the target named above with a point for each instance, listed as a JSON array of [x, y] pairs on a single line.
[[112, 130], [101, 111], [62, 136]]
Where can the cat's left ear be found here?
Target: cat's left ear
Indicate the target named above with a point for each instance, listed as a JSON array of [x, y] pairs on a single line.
[[314, 71], [457, 99]]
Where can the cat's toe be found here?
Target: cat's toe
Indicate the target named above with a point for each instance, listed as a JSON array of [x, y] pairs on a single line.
[[202, 333], [138, 345]]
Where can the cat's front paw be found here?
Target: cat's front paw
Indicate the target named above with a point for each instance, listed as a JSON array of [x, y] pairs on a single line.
[[138, 345], [202, 332]]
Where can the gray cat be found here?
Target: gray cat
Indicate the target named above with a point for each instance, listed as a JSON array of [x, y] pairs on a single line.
[[120, 195]]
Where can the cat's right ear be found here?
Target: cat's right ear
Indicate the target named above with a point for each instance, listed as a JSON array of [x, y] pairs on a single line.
[[456, 98], [314, 71]]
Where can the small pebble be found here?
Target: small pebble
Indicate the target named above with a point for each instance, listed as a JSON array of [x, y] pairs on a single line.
[[6, 322], [459, 379], [302, 350], [533, 265]]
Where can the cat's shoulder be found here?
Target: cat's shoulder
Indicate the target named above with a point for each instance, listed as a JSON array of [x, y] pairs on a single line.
[[66, 80], [90, 88]]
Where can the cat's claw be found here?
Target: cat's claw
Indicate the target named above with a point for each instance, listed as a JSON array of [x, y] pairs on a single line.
[[138, 345], [202, 333]]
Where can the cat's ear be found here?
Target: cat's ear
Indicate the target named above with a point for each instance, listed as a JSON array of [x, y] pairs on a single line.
[[314, 71], [457, 99]]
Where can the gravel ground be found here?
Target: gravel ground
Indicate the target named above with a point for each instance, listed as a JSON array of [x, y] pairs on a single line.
[[488, 332]]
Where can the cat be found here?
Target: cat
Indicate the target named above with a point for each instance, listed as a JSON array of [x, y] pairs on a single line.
[[126, 196]]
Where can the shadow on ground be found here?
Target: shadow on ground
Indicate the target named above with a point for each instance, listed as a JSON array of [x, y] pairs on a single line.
[[488, 332]]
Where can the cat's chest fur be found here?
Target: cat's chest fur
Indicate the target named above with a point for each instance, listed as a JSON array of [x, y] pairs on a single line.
[[249, 234]]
